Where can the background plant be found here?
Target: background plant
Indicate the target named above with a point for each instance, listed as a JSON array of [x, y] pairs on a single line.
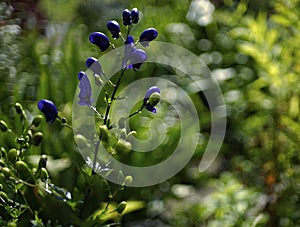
[[252, 49]]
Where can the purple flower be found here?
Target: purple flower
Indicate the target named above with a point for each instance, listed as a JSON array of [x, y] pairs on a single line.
[[85, 94], [152, 97], [93, 64], [147, 36], [126, 17], [99, 39], [114, 28], [48, 109], [80, 75], [137, 58], [135, 15]]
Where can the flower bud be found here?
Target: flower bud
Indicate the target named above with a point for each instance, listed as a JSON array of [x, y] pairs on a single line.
[[114, 28], [12, 155], [19, 108], [48, 109], [37, 138], [121, 207], [81, 141], [24, 171], [100, 40], [154, 99], [128, 180], [123, 146], [147, 36], [93, 64], [80, 75], [37, 120], [3, 126], [138, 57], [44, 174], [135, 15], [126, 17], [6, 171], [104, 133], [43, 161]]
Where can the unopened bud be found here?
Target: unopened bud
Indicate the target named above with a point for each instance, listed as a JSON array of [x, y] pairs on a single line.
[[154, 99], [19, 108], [3, 126], [121, 207], [37, 120], [37, 138], [123, 146]]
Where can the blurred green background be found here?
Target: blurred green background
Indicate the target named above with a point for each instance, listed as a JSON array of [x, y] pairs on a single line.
[[253, 50]]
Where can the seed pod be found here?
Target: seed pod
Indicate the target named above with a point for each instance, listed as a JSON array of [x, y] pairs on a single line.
[[121, 207], [37, 120], [3, 126], [37, 138], [12, 155]]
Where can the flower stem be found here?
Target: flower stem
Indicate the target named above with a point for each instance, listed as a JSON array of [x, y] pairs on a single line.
[[105, 121]]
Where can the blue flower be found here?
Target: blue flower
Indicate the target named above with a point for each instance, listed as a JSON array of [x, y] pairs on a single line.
[[48, 109], [152, 97], [147, 36], [126, 17], [137, 58], [85, 94], [80, 75], [93, 64], [135, 15], [114, 27], [100, 40]]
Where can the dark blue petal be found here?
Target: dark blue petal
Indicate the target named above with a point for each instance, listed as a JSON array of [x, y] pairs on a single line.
[[126, 17], [80, 75], [85, 94], [135, 15], [147, 36], [48, 109], [93, 64], [100, 40], [114, 28], [138, 57]]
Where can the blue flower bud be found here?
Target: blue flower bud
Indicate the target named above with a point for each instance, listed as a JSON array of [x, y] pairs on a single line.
[[138, 57], [114, 27], [135, 15], [126, 17], [99, 39], [93, 64], [48, 109], [147, 36], [80, 75], [155, 92]]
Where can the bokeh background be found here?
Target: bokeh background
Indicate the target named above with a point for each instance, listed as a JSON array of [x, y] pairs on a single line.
[[252, 48]]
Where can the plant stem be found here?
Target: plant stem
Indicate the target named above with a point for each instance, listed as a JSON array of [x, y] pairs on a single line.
[[105, 122]]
